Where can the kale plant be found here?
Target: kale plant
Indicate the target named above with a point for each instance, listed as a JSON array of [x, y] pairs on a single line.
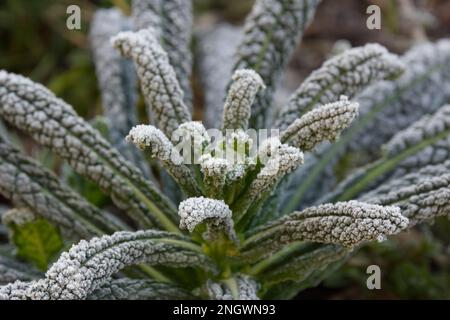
[[221, 213]]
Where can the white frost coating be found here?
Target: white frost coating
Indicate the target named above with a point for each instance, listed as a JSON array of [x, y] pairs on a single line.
[[323, 123], [54, 124], [147, 14], [171, 21], [247, 289], [12, 270], [347, 223], [423, 88], [159, 84], [117, 81], [89, 264], [271, 32], [215, 172], [242, 93], [428, 127], [216, 48], [151, 139], [215, 213], [347, 73], [27, 184], [147, 137], [421, 196]]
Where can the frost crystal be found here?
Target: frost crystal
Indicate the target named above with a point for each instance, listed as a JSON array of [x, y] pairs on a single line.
[[346, 223], [237, 109], [271, 33], [159, 84], [215, 213], [323, 123], [347, 73]]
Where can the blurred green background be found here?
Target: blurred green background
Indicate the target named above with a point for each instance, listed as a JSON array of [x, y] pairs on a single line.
[[35, 42]]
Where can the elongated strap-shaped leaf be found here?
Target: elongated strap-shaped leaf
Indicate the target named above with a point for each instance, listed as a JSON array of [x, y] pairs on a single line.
[[27, 184], [425, 142], [146, 14], [172, 22], [88, 265], [215, 213], [216, 49], [385, 108], [271, 33], [11, 271], [323, 123], [239, 287], [242, 93], [53, 123], [422, 195], [152, 140], [159, 84], [346, 223], [283, 160], [138, 289], [297, 263], [347, 73], [117, 81]]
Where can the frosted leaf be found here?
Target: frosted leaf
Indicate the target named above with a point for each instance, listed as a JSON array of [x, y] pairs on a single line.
[[171, 21], [159, 84], [53, 123], [425, 142], [152, 140], [271, 32], [11, 270], [421, 196], [247, 288], [138, 289], [147, 14], [394, 105], [347, 73], [428, 127], [216, 48], [215, 213], [90, 264], [117, 81], [346, 223], [385, 108], [323, 123], [246, 84], [31, 186]]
